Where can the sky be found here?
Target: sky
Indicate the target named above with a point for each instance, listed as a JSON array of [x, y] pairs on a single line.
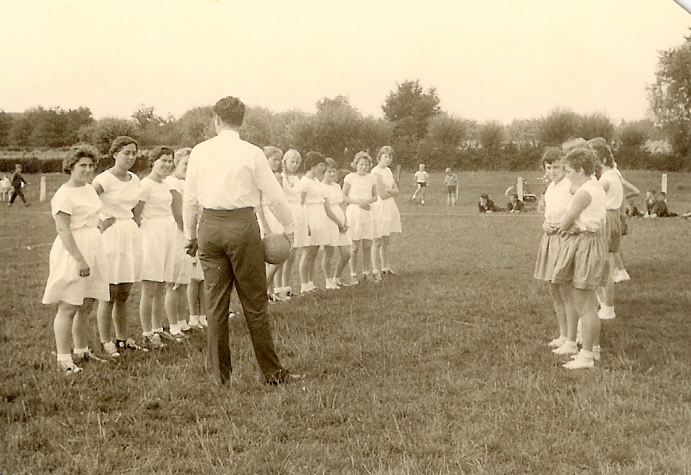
[[487, 59]]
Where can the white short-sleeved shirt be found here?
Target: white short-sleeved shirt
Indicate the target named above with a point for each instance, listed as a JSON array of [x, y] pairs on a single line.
[[157, 197], [592, 218], [313, 189], [557, 200], [333, 194], [360, 186], [81, 203], [118, 197], [421, 176], [615, 193], [386, 176], [292, 188], [175, 184]]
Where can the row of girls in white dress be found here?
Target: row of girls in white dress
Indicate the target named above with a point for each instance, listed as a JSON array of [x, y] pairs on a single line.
[[577, 254], [140, 240], [353, 223]]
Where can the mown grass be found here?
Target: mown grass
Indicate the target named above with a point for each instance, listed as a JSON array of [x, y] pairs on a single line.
[[442, 368]]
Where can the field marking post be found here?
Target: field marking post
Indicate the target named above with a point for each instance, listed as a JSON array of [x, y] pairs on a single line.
[[519, 188], [663, 185], [42, 189]]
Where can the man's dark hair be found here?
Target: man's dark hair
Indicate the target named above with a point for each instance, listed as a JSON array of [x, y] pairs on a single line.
[[231, 110]]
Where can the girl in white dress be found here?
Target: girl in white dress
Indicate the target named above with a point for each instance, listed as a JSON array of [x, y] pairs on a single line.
[[338, 236], [317, 213], [387, 218], [557, 199], [158, 257], [118, 189], [268, 224], [291, 187], [359, 192], [177, 307], [78, 273], [581, 259]]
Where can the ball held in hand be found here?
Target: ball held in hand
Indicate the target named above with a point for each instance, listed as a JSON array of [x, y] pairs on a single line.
[[276, 248]]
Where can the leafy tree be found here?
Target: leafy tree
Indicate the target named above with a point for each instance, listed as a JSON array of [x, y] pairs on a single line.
[[491, 136], [596, 125], [410, 108], [257, 127], [523, 133], [5, 125], [102, 132], [195, 125], [20, 131], [559, 126], [670, 97], [447, 131]]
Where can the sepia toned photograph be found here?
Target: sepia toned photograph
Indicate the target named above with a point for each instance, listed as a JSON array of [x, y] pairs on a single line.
[[440, 237]]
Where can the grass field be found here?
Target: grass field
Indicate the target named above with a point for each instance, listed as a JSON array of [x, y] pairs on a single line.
[[441, 369]]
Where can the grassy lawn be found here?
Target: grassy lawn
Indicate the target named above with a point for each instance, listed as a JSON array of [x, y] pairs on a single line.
[[443, 368]]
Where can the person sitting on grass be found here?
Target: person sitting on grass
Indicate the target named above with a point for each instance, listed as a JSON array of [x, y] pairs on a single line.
[[486, 205], [514, 205], [660, 209]]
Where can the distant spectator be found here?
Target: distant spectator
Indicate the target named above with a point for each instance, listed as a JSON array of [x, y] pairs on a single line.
[[514, 205], [420, 183], [18, 182], [650, 200], [486, 205], [451, 182], [660, 208]]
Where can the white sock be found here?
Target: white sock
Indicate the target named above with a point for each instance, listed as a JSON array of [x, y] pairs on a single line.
[[65, 357], [586, 354], [158, 330], [202, 319], [175, 328], [329, 282], [147, 334], [81, 351], [194, 319]]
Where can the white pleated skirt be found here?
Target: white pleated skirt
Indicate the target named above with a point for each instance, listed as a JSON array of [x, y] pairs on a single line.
[[158, 256], [64, 283], [317, 232], [360, 222], [387, 218], [334, 236], [122, 245]]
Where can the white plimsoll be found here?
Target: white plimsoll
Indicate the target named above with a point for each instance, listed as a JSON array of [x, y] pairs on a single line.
[[580, 361], [606, 312], [557, 342], [568, 348]]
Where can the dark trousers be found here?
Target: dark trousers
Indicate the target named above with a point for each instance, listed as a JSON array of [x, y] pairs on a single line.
[[17, 191], [231, 253]]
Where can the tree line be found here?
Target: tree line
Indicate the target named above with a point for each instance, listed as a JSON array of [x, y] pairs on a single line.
[[414, 123]]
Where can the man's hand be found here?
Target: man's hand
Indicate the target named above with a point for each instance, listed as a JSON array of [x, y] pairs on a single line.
[[191, 247]]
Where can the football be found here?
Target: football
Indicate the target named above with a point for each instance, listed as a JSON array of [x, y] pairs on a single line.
[[276, 248]]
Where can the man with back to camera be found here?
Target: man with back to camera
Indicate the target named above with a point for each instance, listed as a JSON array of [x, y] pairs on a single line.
[[225, 177]]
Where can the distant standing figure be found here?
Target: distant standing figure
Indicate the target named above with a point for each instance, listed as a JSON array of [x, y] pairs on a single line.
[[451, 183], [5, 188], [420, 183], [77, 263], [18, 182]]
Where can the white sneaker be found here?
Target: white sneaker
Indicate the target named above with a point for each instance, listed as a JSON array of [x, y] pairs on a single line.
[[596, 354], [110, 348], [580, 362], [568, 348], [557, 342], [606, 313]]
